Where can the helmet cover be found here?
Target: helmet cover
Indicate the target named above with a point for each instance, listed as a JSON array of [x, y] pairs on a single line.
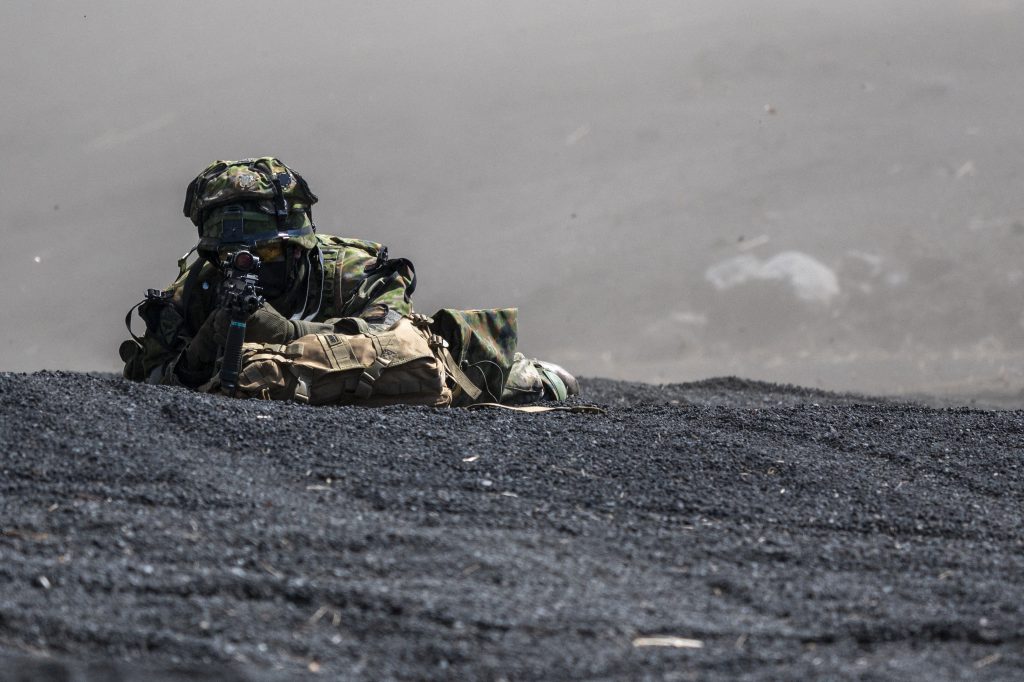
[[250, 201]]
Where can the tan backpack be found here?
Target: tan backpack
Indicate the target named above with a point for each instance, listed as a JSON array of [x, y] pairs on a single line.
[[405, 364]]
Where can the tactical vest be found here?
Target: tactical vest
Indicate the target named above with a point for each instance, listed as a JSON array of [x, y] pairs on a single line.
[[352, 275]]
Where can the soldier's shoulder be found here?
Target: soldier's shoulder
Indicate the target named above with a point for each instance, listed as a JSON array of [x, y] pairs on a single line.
[[198, 271], [200, 275], [331, 242]]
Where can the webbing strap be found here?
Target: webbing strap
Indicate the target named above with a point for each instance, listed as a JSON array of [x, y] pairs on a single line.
[[302, 387], [364, 389], [188, 290], [128, 321], [532, 409], [346, 325], [463, 381], [554, 381], [329, 269], [366, 292], [440, 346], [253, 372], [183, 261], [269, 351], [280, 203]]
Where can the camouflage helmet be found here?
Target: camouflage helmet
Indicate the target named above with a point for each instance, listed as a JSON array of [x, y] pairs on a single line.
[[248, 202]]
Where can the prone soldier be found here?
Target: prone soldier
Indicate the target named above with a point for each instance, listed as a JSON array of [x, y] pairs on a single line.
[[307, 283]]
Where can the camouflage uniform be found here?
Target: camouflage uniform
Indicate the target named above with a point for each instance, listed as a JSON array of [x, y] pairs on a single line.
[[337, 278]]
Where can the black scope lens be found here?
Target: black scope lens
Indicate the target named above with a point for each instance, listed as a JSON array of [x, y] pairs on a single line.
[[244, 261]]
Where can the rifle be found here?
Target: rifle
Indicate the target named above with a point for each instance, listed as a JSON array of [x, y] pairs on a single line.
[[239, 295]]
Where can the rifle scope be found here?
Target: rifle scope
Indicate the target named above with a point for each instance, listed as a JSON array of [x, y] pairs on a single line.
[[240, 296]]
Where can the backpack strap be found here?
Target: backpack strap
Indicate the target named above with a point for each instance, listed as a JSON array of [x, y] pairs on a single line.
[[364, 389], [128, 321], [355, 325], [187, 291], [367, 291], [330, 269], [462, 381], [440, 347]]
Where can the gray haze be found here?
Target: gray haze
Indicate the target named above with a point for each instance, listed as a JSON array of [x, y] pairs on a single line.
[[818, 193]]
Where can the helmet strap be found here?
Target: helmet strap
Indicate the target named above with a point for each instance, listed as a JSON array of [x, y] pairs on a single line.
[[280, 203]]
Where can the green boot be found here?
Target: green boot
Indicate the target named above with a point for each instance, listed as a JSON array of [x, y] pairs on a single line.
[[531, 380]]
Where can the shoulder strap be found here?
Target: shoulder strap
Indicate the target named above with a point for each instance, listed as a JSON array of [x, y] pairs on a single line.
[[439, 345], [461, 380], [128, 321], [188, 288], [330, 268]]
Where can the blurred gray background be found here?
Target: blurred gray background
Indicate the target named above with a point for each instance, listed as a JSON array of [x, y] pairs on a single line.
[[823, 193]]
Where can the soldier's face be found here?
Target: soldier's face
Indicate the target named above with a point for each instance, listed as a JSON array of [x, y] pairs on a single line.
[[274, 270], [273, 278], [280, 267]]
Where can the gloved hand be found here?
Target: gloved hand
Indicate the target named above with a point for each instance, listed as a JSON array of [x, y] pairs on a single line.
[[211, 335], [266, 325], [197, 362]]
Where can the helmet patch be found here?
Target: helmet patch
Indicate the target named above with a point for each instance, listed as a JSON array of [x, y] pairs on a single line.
[[245, 181]]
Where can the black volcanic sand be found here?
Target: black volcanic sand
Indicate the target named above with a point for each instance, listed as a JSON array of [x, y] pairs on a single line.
[[153, 533]]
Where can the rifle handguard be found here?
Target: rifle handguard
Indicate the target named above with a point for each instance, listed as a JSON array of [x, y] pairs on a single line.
[[232, 362], [240, 297]]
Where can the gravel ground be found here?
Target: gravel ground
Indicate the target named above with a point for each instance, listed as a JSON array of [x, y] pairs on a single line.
[[760, 531]]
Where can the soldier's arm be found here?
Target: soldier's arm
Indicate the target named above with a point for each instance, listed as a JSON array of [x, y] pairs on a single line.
[[373, 288], [159, 356]]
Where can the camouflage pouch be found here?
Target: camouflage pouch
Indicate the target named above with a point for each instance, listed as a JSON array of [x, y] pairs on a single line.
[[359, 275], [483, 343], [404, 365]]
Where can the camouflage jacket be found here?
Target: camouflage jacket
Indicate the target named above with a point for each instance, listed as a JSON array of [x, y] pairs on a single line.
[[357, 279]]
